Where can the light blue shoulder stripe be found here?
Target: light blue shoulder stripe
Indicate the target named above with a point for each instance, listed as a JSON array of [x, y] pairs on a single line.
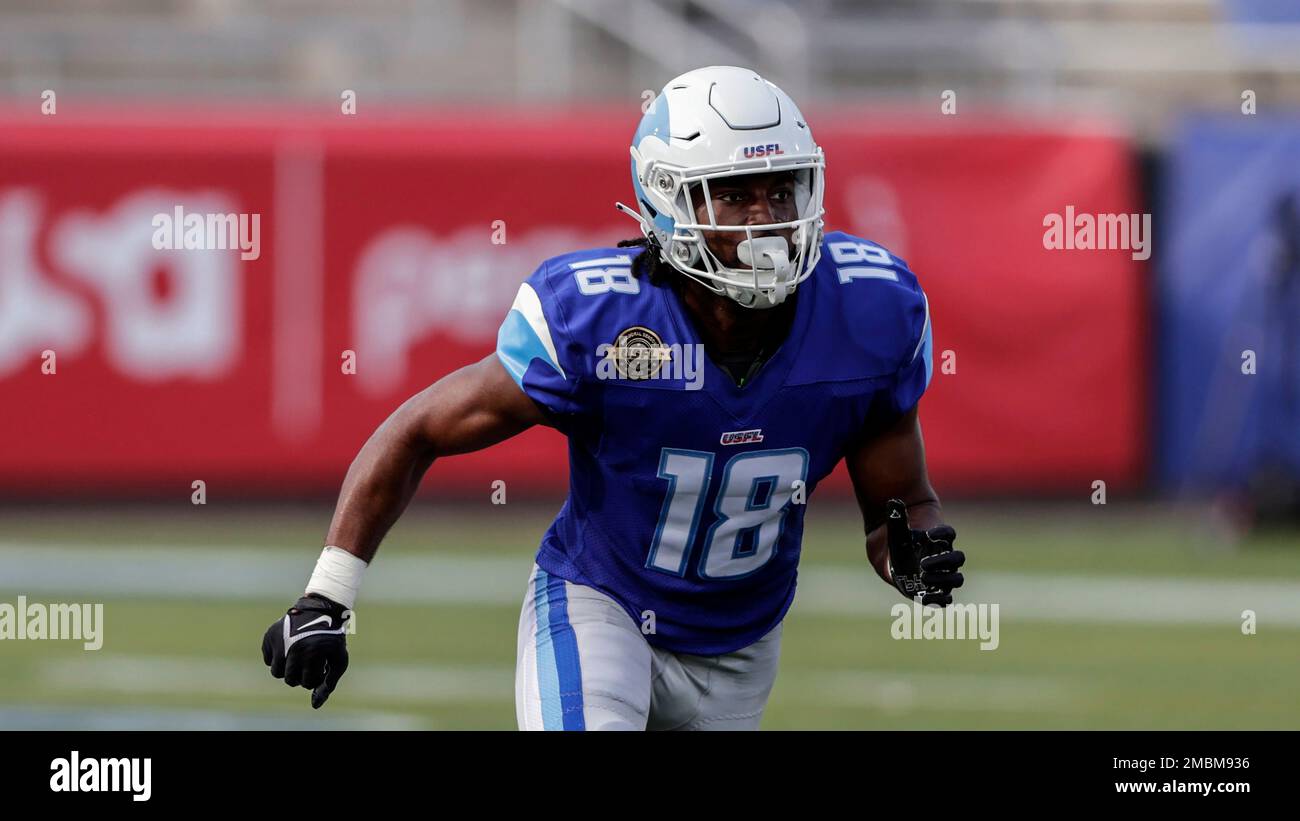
[[923, 348], [525, 336], [929, 358], [518, 345]]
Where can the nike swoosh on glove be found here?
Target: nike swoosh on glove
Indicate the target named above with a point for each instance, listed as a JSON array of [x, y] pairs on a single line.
[[307, 648]]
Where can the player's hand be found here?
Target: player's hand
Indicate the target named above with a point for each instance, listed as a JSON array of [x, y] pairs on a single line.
[[922, 562], [306, 647]]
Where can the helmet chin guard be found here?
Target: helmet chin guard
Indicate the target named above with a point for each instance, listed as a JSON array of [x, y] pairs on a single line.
[[720, 122], [769, 259]]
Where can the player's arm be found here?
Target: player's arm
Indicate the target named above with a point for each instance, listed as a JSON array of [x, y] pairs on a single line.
[[467, 410], [889, 464], [464, 411]]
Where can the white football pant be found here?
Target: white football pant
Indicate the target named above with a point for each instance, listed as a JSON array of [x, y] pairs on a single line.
[[583, 663]]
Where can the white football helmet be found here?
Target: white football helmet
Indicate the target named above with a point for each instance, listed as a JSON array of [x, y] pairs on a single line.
[[724, 121]]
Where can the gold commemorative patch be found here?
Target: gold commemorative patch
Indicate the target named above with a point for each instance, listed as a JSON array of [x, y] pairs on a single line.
[[639, 353]]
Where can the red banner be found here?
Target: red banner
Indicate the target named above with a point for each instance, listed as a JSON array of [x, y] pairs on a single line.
[[128, 368]]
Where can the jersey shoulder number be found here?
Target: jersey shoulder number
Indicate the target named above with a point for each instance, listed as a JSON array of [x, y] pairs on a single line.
[[877, 314], [550, 335]]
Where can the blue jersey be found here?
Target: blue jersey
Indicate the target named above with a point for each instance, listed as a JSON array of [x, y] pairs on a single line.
[[687, 492]]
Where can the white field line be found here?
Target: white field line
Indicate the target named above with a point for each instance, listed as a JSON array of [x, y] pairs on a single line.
[[899, 692], [219, 677], [424, 684], [135, 717], [222, 573]]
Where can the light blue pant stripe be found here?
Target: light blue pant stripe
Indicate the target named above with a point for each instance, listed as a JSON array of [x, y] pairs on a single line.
[[559, 674]]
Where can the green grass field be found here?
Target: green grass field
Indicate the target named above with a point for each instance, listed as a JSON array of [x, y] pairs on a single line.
[[1111, 617]]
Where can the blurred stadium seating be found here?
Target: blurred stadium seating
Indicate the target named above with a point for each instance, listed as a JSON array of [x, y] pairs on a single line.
[[1145, 59]]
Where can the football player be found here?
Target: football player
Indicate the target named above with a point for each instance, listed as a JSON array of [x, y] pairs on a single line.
[[657, 595]]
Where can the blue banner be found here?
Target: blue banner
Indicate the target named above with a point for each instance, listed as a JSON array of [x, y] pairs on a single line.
[[1228, 298]]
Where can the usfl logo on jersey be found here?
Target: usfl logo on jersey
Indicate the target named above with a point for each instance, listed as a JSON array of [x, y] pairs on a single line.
[[742, 437]]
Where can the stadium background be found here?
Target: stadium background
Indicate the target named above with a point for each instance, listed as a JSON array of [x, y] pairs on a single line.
[[381, 235]]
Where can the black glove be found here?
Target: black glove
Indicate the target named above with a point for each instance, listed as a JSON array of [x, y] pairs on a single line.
[[922, 562], [306, 647]]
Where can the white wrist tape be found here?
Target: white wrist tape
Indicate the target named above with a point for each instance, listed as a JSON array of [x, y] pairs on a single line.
[[337, 576]]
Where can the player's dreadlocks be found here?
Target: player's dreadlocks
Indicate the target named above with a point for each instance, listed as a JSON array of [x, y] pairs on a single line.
[[649, 262]]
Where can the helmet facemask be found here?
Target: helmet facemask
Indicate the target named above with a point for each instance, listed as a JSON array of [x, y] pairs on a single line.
[[769, 267]]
